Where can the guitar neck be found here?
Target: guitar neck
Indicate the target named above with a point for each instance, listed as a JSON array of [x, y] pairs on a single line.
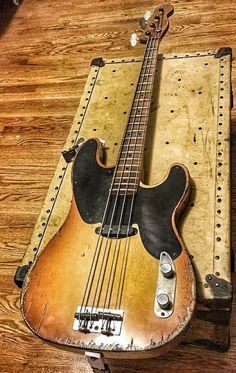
[[129, 164]]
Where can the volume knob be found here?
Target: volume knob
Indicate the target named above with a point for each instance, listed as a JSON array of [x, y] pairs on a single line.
[[166, 270], [163, 301]]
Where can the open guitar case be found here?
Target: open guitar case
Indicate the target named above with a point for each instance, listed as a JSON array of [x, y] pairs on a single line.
[[189, 124]]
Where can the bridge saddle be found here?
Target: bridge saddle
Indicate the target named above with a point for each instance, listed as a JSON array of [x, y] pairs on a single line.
[[98, 320]]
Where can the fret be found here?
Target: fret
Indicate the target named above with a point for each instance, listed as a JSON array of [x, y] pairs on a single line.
[[127, 169], [141, 99], [133, 182], [150, 58], [134, 157], [147, 74], [119, 180], [144, 83], [129, 166], [123, 172], [133, 145], [133, 151], [124, 190], [130, 159], [137, 136], [140, 107], [129, 162], [130, 131], [124, 186], [138, 115], [143, 91], [127, 177], [140, 123], [129, 172], [130, 153]]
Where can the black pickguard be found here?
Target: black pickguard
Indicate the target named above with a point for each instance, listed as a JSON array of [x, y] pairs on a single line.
[[152, 208]]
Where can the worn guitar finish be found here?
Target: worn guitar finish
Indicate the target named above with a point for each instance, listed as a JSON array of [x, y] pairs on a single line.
[[56, 284], [100, 284]]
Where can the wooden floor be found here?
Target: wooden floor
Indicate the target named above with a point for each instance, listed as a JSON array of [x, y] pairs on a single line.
[[45, 52]]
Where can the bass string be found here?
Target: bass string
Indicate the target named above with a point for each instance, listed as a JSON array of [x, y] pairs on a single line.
[[112, 216], [98, 248], [114, 264], [103, 267], [124, 262], [120, 288], [122, 277], [144, 137], [97, 252], [96, 256]]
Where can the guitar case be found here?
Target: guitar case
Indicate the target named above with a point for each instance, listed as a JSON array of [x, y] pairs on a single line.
[[189, 124]]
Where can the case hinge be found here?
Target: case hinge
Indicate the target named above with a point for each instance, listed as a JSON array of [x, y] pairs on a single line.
[[96, 362]]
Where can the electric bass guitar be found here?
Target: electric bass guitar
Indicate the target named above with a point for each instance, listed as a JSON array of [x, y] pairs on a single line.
[[117, 278]]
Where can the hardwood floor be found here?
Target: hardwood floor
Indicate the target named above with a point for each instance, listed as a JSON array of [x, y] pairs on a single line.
[[45, 54]]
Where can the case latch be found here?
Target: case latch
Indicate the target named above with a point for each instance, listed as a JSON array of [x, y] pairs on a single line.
[[70, 154], [96, 362], [20, 274]]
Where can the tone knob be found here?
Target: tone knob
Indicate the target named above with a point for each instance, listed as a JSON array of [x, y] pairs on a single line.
[[163, 301], [166, 270]]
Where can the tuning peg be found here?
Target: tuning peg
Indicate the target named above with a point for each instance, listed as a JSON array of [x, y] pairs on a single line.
[[144, 19], [147, 15], [134, 39]]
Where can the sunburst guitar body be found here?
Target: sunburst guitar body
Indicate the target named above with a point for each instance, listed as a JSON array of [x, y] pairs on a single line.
[[117, 278]]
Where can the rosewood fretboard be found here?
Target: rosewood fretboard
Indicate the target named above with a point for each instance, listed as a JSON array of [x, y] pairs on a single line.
[[129, 165]]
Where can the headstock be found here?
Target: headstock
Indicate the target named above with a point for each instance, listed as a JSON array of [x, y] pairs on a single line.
[[158, 23]]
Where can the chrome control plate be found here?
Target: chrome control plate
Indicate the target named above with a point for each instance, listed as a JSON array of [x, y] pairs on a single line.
[[166, 285]]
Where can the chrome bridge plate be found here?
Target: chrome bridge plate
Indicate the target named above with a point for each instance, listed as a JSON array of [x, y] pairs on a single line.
[[98, 320]]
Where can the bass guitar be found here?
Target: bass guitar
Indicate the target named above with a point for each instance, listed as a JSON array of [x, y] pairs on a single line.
[[117, 277]]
